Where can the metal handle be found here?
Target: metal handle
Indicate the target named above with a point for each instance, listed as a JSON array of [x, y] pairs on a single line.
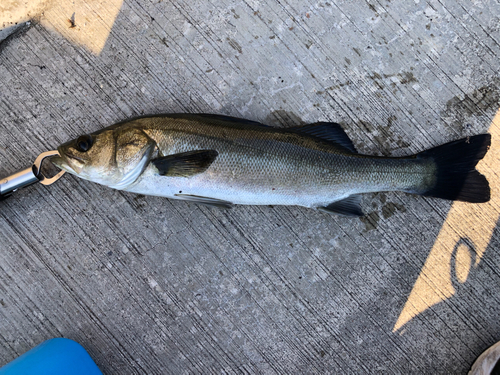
[[28, 176], [18, 180]]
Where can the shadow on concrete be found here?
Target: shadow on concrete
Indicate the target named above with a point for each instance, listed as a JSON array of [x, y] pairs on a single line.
[[460, 244]]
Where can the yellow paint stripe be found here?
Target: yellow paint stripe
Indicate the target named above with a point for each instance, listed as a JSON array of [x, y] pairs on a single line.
[[466, 225]]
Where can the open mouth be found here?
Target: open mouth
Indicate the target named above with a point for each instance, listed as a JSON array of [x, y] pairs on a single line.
[[59, 162], [67, 162], [75, 157]]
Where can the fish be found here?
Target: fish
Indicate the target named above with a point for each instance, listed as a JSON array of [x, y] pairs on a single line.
[[222, 161]]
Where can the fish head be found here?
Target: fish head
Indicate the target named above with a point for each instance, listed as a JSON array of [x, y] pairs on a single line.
[[114, 157]]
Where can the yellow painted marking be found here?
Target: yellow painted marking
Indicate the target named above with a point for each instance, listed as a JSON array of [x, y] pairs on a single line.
[[84, 22], [464, 236]]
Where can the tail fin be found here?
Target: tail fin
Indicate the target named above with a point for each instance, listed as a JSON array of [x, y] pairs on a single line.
[[457, 178]]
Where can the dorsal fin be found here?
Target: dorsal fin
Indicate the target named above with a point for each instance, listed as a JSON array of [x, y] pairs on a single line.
[[328, 131], [224, 118]]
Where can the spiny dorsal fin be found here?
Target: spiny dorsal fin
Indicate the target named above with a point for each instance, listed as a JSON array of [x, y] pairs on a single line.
[[328, 131], [204, 200], [185, 164], [224, 118], [350, 206]]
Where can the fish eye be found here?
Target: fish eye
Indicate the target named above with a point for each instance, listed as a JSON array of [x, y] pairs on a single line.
[[84, 143]]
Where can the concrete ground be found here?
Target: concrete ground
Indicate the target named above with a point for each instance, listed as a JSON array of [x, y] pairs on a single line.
[[149, 285]]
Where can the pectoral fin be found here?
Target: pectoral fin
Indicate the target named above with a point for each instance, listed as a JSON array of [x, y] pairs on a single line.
[[204, 200], [185, 164], [350, 206]]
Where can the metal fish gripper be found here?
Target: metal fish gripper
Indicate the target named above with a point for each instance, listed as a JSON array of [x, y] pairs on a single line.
[[28, 176]]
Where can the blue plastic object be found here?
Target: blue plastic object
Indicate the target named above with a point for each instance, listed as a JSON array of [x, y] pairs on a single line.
[[53, 357]]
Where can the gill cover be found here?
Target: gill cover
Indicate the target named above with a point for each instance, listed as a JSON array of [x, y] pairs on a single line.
[[132, 152]]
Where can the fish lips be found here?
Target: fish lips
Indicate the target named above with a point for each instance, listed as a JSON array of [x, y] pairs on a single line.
[[68, 162]]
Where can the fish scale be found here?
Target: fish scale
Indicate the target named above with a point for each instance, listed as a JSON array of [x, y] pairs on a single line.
[[222, 160], [309, 175]]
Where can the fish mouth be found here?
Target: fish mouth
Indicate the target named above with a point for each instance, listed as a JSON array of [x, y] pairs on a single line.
[[66, 162]]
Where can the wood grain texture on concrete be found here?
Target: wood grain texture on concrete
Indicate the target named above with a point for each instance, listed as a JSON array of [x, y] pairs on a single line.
[[149, 285]]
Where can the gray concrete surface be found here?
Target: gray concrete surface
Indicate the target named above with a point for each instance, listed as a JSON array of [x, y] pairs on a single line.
[[149, 285]]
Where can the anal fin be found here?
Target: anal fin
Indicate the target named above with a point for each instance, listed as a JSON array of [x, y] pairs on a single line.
[[219, 203], [350, 206]]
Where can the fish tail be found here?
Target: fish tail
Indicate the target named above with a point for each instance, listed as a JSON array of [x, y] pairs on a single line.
[[456, 176]]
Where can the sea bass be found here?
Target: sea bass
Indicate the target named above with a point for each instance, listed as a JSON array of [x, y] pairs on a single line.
[[221, 161]]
